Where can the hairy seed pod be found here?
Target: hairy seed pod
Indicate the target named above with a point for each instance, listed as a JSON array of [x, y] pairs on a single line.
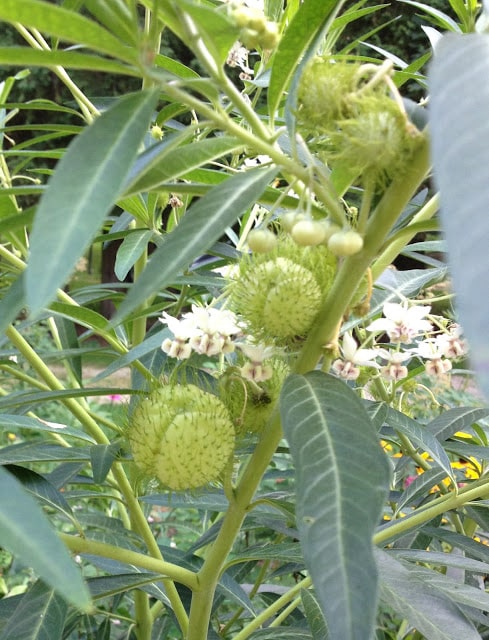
[[181, 435]]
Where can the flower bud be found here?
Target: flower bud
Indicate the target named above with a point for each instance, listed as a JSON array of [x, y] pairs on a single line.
[[308, 233], [261, 240], [345, 243]]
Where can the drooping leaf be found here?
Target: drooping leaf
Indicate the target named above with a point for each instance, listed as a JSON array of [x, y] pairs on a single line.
[[130, 251], [14, 422], [40, 452], [342, 479], [39, 615], [199, 229], [83, 188], [25, 532], [38, 486], [164, 162], [314, 616], [453, 420], [423, 438], [69, 26], [459, 101], [68, 59], [102, 456], [431, 612]]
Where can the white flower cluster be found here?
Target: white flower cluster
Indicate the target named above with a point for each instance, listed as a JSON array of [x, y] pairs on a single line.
[[212, 332], [207, 331], [403, 324]]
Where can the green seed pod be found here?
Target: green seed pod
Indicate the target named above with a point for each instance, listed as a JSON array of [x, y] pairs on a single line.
[[181, 435], [323, 93], [279, 294], [251, 405]]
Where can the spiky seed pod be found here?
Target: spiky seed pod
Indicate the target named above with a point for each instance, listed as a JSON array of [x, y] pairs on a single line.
[[323, 93], [181, 435], [376, 140], [251, 405], [279, 294]]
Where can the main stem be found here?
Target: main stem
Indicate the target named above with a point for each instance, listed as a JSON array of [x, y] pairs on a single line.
[[335, 305]]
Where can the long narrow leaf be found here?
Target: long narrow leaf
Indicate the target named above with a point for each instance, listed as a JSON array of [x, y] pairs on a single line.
[[342, 478], [64, 24], [204, 223], [40, 615], [23, 56], [26, 533], [81, 191]]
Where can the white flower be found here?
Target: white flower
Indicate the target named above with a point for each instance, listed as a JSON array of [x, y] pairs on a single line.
[[429, 350], [394, 369], [255, 370], [347, 366], [238, 57], [205, 330], [402, 323], [451, 343]]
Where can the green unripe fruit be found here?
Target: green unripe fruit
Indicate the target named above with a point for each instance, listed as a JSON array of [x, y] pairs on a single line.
[[251, 406], [261, 240], [345, 243], [279, 294], [181, 435], [308, 233], [323, 93]]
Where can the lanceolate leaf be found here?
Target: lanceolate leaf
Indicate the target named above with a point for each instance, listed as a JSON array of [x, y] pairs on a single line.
[[64, 24], [459, 103], [40, 615], [342, 478], [83, 188], [26, 533], [199, 229], [431, 611]]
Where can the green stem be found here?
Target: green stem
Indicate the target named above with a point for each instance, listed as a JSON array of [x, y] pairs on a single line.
[[354, 267], [437, 507], [400, 240], [270, 611], [168, 569]]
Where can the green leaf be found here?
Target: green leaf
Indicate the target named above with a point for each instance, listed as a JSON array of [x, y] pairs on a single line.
[[69, 340], [453, 420], [164, 162], [23, 56], [83, 188], [314, 616], [280, 552], [431, 612], [131, 249], [105, 586], [26, 533], [342, 478], [11, 303], [42, 489], [282, 633], [36, 452], [199, 229], [309, 22], [66, 25], [459, 102], [14, 421], [40, 615], [102, 456], [423, 438]]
